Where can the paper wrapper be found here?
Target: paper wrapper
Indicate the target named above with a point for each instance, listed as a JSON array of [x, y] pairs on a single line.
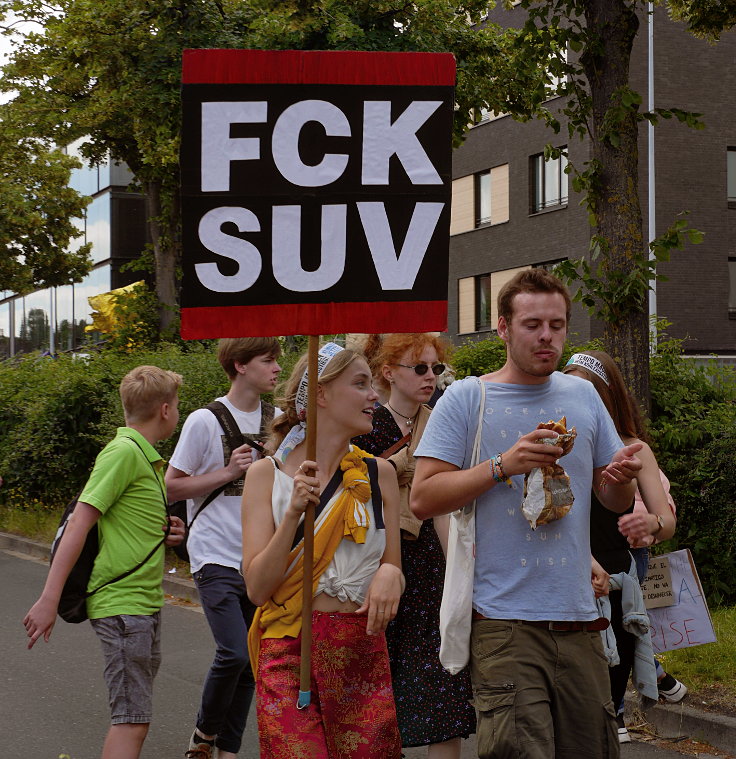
[[547, 493]]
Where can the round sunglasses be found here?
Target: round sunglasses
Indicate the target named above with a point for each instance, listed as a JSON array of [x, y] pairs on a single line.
[[421, 369]]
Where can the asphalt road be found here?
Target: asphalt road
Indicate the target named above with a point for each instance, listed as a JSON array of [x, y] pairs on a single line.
[[53, 701]]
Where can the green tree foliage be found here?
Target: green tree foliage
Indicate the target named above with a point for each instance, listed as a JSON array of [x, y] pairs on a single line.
[[581, 49], [109, 71], [389, 25], [704, 18], [37, 212]]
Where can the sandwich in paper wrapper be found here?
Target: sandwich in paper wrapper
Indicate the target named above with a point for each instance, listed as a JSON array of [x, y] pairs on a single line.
[[547, 493]]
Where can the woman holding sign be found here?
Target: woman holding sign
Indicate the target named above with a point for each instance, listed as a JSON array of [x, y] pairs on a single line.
[[357, 579], [613, 535], [433, 707]]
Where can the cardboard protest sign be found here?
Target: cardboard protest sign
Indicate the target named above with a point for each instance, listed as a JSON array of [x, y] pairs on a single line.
[[657, 585], [315, 192], [687, 621]]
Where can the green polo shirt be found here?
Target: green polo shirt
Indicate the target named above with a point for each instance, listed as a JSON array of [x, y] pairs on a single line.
[[130, 496]]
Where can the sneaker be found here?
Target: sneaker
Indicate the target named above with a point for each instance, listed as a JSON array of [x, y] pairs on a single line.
[[623, 733], [671, 690], [200, 748]]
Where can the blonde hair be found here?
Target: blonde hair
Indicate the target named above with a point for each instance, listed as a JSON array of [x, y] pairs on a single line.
[[144, 389], [388, 349], [286, 391]]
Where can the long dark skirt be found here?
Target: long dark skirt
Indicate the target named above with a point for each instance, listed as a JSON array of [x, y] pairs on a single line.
[[432, 705]]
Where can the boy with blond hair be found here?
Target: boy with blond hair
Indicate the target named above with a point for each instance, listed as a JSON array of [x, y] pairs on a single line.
[[125, 497], [201, 465]]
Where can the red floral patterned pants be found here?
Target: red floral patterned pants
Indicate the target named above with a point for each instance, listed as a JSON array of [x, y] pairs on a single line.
[[352, 713]]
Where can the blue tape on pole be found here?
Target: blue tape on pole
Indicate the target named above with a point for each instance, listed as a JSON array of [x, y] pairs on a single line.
[[305, 697]]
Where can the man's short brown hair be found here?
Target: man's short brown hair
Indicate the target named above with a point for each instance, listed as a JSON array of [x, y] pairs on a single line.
[[536, 280], [145, 389], [241, 350]]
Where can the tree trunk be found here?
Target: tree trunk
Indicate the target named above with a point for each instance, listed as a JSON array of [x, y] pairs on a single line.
[[163, 220], [619, 212]]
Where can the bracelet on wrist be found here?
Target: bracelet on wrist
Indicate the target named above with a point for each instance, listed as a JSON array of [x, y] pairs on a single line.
[[660, 525], [497, 470]]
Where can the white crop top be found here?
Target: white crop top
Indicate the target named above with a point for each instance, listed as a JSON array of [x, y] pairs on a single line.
[[351, 570]]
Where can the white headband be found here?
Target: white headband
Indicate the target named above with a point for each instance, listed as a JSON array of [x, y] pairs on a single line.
[[590, 363], [298, 432]]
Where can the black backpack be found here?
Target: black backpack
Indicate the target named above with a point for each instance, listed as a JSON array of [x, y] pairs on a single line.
[[235, 438], [73, 601]]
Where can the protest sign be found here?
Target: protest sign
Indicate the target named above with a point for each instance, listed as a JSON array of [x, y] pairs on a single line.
[[687, 621], [657, 585], [315, 192]]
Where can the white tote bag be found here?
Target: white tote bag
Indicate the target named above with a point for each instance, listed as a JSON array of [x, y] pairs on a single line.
[[456, 610]]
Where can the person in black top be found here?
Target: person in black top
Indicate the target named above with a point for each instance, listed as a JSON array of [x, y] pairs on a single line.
[[611, 534]]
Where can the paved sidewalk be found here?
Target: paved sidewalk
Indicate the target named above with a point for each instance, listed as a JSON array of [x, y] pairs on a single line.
[[666, 720]]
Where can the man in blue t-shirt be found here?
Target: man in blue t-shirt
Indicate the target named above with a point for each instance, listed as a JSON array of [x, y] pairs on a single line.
[[540, 679]]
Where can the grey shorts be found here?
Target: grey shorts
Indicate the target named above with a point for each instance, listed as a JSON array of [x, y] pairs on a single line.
[[131, 646]]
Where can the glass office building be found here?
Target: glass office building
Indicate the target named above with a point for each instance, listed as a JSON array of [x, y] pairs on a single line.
[[54, 319]]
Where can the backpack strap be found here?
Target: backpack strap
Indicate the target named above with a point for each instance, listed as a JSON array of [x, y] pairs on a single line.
[[324, 499], [329, 491], [230, 427], [235, 439], [227, 422], [376, 497], [156, 547], [267, 413]]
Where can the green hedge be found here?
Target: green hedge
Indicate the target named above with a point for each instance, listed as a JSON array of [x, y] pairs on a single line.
[[693, 424], [57, 414]]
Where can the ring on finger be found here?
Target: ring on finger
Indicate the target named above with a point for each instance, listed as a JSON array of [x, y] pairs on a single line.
[[311, 488]]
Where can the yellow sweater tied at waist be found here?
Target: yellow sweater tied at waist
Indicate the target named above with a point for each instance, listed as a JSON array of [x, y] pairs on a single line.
[[348, 518]]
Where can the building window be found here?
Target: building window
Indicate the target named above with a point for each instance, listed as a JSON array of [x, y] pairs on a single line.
[[483, 198], [492, 196], [480, 199], [549, 182], [477, 296], [732, 287], [731, 175], [483, 303]]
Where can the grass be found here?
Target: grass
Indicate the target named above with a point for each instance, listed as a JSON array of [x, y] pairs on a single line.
[[35, 521], [710, 664], [40, 523]]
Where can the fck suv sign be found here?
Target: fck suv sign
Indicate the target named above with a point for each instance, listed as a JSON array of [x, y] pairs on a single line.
[[315, 192]]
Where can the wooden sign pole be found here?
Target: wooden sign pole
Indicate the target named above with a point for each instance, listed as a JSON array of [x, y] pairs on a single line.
[[311, 454]]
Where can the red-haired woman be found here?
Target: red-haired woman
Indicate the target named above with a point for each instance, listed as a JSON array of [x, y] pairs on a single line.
[[433, 706]]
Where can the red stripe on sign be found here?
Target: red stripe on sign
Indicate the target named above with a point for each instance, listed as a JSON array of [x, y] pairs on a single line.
[[316, 67], [313, 319]]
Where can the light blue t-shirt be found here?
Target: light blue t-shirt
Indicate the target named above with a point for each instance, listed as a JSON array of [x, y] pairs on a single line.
[[520, 573]]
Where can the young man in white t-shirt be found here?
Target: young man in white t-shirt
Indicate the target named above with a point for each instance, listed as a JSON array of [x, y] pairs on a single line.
[[202, 462]]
